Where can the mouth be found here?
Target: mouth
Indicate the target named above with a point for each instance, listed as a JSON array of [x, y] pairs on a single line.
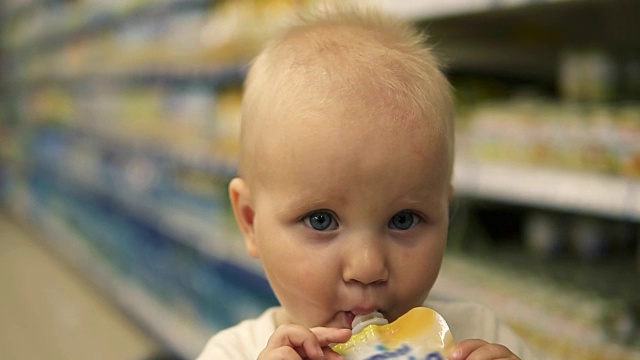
[[350, 315]]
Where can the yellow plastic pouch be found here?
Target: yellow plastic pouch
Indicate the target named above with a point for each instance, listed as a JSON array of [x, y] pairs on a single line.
[[420, 334]]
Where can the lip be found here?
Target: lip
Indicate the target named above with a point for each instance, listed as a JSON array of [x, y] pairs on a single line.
[[364, 310], [348, 319], [350, 315]]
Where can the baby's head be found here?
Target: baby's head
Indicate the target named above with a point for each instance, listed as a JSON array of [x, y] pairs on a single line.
[[345, 167]]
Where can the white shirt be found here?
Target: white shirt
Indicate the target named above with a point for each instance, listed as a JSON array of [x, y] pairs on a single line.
[[466, 320]]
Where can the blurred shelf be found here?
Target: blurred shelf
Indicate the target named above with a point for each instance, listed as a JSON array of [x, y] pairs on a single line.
[[559, 321], [172, 76], [99, 21], [197, 230], [183, 335], [204, 234], [522, 39], [421, 10], [591, 193], [131, 144]]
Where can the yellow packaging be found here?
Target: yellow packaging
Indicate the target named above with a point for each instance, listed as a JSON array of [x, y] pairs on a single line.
[[420, 334]]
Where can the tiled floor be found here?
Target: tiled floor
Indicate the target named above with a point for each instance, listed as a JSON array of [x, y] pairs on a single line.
[[48, 312]]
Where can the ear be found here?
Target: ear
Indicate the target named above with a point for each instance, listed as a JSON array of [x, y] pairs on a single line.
[[240, 196]]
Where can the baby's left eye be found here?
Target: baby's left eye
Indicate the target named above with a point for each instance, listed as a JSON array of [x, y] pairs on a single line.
[[404, 220]]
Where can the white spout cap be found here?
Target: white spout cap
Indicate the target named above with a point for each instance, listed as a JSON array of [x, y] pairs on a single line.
[[362, 321]]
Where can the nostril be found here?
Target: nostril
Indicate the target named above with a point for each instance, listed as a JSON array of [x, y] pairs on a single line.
[[367, 281]]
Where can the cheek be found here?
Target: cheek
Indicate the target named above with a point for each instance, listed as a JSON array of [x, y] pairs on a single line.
[[305, 287], [298, 271], [420, 271], [418, 268], [303, 271]]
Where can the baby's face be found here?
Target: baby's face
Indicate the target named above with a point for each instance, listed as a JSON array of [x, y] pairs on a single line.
[[350, 218]]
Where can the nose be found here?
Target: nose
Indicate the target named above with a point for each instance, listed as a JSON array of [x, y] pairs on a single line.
[[366, 264]]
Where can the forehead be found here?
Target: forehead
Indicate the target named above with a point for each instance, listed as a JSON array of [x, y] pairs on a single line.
[[353, 146]]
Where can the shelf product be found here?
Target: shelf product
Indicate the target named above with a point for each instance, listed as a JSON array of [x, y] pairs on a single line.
[[586, 138]]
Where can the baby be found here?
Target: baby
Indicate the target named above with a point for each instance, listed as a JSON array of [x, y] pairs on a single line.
[[344, 188]]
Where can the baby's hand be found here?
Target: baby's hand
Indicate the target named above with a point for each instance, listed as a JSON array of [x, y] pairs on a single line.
[[481, 350], [297, 342]]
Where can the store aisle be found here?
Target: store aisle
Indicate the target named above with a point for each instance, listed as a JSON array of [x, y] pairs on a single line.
[[49, 312]]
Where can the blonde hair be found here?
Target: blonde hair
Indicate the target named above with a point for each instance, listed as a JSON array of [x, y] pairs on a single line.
[[339, 57]]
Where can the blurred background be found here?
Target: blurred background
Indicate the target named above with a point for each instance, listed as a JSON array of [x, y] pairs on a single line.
[[118, 136]]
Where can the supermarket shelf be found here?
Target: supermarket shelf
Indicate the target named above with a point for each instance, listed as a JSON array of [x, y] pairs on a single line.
[[413, 9], [557, 321], [101, 21], [209, 164], [591, 193], [214, 76], [195, 225], [421, 10], [198, 232], [121, 143], [521, 39], [185, 336]]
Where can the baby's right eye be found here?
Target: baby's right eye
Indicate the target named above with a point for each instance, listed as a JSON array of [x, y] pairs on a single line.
[[321, 221]]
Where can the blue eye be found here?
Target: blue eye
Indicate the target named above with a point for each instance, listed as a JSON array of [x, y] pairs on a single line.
[[404, 220], [321, 221]]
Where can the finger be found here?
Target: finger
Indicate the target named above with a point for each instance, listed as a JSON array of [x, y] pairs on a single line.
[[328, 336], [492, 351], [303, 340], [481, 350], [329, 354], [465, 348], [284, 352]]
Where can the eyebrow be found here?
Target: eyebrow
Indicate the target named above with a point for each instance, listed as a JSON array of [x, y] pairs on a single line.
[[301, 203]]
